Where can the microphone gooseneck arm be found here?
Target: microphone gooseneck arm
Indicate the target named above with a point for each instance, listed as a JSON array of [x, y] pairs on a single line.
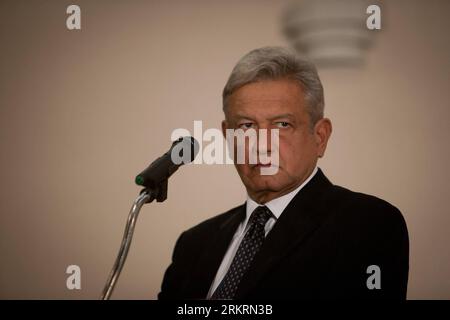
[[144, 197], [154, 179]]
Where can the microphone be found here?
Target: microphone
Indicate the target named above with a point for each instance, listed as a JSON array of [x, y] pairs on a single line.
[[184, 150]]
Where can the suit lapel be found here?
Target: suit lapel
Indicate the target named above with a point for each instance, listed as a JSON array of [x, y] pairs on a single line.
[[212, 256], [300, 219]]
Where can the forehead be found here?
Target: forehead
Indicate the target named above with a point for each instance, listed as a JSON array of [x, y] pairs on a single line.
[[269, 96]]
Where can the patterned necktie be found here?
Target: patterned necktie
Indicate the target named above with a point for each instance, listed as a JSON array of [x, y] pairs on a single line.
[[249, 246]]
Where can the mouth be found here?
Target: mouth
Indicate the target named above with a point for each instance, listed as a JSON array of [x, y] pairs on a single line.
[[267, 169], [261, 165]]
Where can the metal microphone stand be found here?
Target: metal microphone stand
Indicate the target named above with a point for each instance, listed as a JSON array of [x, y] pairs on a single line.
[[146, 195]]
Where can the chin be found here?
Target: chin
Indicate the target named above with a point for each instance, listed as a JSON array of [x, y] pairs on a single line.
[[266, 183], [253, 180]]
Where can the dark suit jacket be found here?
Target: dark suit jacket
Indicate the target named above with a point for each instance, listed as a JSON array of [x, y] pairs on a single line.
[[320, 247]]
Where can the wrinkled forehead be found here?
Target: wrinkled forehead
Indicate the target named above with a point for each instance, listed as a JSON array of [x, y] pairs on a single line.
[[266, 99]]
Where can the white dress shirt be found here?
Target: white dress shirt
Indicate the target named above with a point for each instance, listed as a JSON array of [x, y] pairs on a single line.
[[276, 206]]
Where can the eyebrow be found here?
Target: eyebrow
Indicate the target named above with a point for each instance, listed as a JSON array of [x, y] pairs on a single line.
[[278, 116], [284, 115], [243, 116]]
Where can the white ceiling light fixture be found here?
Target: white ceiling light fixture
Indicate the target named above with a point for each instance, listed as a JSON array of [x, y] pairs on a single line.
[[329, 32]]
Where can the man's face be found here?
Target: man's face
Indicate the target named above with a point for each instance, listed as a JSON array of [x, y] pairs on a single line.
[[277, 104]]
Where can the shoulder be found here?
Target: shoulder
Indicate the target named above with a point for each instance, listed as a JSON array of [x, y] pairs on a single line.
[[216, 221], [207, 228], [360, 200], [364, 210]]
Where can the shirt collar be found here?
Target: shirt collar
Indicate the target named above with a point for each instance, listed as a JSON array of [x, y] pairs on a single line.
[[277, 205]]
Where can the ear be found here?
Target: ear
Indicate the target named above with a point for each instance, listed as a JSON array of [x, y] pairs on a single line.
[[322, 132]]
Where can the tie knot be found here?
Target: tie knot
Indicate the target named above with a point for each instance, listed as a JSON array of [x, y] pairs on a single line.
[[260, 216]]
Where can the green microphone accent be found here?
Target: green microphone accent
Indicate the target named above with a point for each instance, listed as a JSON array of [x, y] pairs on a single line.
[[139, 180]]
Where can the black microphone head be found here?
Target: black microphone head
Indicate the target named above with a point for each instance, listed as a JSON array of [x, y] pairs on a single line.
[[182, 144], [183, 151]]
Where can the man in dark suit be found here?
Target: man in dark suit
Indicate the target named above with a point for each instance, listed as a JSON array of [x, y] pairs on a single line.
[[297, 236]]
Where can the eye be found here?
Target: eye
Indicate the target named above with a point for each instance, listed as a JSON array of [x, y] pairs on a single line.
[[283, 124], [246, 125]]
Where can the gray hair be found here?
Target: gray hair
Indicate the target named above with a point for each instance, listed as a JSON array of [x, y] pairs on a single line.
[[272, 63]]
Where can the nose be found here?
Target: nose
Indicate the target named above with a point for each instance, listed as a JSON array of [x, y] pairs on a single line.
[[264, 140]]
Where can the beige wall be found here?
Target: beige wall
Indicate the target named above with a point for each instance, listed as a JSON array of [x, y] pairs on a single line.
[[82, 112]]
